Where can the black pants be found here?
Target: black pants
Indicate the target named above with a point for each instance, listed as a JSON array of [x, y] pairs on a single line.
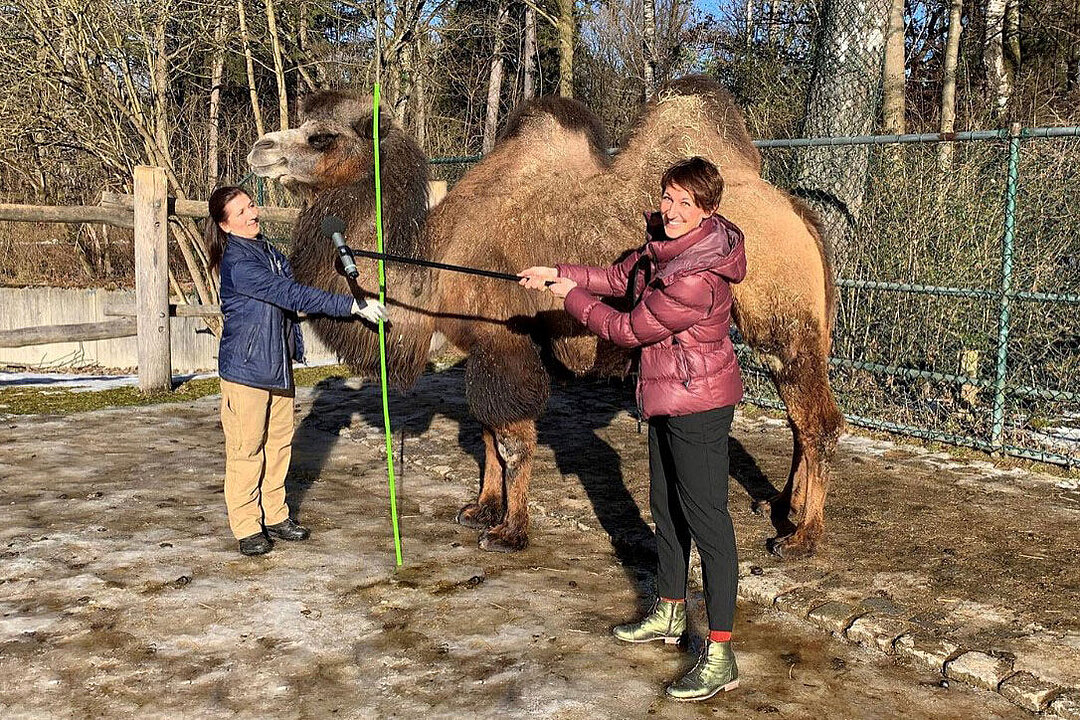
[[688, 490]]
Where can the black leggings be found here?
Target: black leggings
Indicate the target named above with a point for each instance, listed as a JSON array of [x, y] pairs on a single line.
[[688, 490]]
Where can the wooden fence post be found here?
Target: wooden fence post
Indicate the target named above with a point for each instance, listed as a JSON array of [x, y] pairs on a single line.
[[152, 279]]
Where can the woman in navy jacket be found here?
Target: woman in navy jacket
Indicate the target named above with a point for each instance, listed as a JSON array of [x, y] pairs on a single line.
[[261, 338]]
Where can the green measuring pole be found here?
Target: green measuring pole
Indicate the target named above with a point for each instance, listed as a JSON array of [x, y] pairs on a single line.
[[382, 329]]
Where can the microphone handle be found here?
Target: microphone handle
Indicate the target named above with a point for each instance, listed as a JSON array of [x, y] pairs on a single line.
[[346, 255]]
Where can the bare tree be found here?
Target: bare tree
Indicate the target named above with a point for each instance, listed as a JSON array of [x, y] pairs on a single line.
[[648, 36], [948, 81], [528, 54], [748, 22], [1001, 51], [845, 90], [565, 27], [495, 78], [279, 67], [893, 87], [245, 39], [217, 66]]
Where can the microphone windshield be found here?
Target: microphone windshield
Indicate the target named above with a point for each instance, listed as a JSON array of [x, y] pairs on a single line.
[[332, 224]]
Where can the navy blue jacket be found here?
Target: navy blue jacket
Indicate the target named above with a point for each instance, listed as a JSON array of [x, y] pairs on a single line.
[[259, 300]]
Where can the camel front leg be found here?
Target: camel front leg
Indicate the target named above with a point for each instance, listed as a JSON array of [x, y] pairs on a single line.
[[490, 507], [516, 444]]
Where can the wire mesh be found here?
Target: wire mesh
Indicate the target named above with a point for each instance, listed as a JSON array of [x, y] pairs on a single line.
[[920, 300]]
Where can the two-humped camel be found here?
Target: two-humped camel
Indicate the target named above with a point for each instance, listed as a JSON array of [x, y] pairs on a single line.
[[549, 193]]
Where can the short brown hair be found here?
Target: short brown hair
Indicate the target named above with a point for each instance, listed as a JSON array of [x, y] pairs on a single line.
[[700, 178]]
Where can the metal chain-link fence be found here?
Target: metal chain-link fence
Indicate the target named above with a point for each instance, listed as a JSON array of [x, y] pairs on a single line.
[[959, 291]]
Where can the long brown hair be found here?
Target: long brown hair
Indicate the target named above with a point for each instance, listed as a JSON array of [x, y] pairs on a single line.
[[214, 236]]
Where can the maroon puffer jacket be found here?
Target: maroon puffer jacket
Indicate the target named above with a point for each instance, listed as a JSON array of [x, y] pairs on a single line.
[[681, 318]]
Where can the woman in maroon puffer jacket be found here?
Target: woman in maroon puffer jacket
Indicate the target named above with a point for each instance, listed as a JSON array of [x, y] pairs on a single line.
[[688, 385]]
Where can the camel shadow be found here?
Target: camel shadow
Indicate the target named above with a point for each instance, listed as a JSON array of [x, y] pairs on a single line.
[[570, 427], [316, 436], [745, 470], [578, 449]]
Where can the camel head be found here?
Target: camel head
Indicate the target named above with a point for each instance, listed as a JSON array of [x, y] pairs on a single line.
[[332, 147]]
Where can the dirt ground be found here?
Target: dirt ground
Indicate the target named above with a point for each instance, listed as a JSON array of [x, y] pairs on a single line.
[[122, 593]]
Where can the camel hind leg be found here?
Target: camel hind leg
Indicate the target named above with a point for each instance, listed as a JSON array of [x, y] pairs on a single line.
[[507, 388], [800, 372], [516, 445], [490, 507]]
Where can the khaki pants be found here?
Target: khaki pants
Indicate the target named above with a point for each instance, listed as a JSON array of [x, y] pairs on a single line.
[[258, 427]]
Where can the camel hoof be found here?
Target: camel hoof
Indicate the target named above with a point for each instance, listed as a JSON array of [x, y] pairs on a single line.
[[501, 539], [477, 516], [791, 547]]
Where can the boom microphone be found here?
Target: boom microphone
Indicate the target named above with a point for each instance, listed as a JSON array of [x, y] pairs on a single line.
[[334, 228]]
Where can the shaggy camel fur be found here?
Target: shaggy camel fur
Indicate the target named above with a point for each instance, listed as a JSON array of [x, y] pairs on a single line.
[[549, 193]]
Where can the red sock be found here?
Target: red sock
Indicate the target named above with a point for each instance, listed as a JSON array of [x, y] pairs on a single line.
[[719, 636], [669, 600]]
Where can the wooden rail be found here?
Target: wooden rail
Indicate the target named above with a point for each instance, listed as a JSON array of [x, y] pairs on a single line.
[[195, 208], [175, 310], [79, 332], [68, 214]]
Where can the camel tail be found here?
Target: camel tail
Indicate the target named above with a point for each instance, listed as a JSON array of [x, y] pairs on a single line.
[[817, 228]]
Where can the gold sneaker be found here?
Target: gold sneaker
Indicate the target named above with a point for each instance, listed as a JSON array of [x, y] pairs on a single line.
[[666, 621]]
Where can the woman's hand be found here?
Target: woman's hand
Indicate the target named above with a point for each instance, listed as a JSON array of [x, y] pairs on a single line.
[[561, 286], [372, 310], [535, 278]]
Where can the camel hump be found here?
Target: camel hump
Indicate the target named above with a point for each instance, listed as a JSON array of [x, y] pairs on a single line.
[[719, 104], [567, 112]]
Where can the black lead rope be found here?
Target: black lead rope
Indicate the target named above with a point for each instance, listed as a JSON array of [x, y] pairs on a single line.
[[438, 265], [644, 265]]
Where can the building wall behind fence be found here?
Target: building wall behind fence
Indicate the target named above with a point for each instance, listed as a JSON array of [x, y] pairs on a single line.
[[27, 307]]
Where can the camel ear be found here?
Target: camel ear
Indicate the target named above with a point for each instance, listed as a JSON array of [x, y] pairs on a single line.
[[363, 126]]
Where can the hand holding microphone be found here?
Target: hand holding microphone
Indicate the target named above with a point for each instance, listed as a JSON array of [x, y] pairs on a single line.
[[372, 310], [334, 229]]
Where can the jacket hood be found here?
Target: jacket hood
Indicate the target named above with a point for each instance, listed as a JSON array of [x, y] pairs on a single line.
[[716, 244]]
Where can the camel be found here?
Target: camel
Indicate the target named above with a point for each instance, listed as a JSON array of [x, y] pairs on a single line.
[[548, 192]]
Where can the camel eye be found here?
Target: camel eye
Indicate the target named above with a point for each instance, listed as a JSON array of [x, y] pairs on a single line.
[[321, 141]]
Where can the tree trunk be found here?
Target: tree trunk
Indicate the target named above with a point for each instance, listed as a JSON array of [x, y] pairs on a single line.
[[566, 47], [1011, 38], [748, 24], [948, 82], [160, 85], [250, 64], [304, 46], [495, 78], [648, 36], [217, 65], [421, 108], [279, 67], [405, 80], [998, 77], [894, 82], [845, 89], [528, 53]]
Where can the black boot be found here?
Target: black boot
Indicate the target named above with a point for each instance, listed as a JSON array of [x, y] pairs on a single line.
[[257, 544], [288, 529]]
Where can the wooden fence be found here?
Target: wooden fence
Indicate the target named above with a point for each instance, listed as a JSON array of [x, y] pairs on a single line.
[[146, 212]]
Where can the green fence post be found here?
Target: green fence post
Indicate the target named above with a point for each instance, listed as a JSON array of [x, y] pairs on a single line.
[[997, 432]]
